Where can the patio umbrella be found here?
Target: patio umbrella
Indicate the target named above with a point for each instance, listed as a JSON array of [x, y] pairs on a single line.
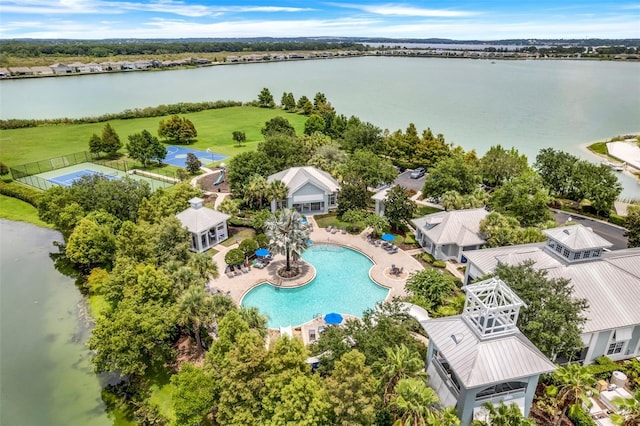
[[388, 237], [303, 220], [333, 318], [262, 252]]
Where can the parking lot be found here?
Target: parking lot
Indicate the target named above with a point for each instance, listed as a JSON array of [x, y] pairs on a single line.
[[403, 179]]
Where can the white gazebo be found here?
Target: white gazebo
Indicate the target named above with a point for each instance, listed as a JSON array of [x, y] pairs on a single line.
[[207, 227]]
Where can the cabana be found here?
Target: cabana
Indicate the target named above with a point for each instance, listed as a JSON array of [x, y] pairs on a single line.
[[207, 227]]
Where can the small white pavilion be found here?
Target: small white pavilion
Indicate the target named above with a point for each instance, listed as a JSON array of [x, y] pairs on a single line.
[[481, 356], [207, 227]]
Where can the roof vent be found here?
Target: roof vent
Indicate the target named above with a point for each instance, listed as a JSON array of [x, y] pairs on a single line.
[[566, 231], [457, 338]]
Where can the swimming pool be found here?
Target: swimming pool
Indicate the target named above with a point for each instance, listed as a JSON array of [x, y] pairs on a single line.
[[342, 284]]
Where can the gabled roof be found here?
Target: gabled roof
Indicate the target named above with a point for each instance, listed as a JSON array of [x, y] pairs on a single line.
[[297, 177], [479, 363], [459, 227], [200, 219], [577, 237]]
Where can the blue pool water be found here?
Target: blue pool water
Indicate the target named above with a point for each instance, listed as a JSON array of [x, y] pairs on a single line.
[[342, 284]]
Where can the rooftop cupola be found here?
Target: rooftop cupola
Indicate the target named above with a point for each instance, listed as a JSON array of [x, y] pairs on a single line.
[[196, 202], [491, 308]]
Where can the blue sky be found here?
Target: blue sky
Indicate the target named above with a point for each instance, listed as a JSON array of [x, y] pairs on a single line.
[[466, 19]]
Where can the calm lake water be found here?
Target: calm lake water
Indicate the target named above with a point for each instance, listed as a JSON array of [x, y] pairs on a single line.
[[474, 103], [46, 373]]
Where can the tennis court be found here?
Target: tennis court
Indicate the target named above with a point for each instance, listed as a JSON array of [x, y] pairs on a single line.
[[67, 175], [177, 156], [69, 178]]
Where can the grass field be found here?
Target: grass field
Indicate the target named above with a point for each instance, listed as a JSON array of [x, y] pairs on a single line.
[[18, 210], [215, 128]]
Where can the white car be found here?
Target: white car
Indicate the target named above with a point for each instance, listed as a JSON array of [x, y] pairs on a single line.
[[417, 173]]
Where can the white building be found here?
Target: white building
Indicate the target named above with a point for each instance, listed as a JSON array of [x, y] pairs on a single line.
[[481, 356], [446, 234], [608, 280], [311, 191], [208, 227]]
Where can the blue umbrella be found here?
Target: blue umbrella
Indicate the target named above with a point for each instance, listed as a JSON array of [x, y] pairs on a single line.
[[388, 237], [333, 318], [303, 220], [262, 252]]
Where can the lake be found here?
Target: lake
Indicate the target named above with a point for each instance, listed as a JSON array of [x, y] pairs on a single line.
[[46, 373], [475, 103]]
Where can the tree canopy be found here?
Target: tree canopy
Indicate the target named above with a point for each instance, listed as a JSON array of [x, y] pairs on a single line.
[[177, 129], [145, 147]]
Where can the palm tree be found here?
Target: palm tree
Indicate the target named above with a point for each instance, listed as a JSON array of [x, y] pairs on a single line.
[[256, 189], [575, 384], [195, 308], [288, 235], [255, 319], [504, 415], [414, 400], [204, 265], [400, 364], [628, 410], [278, 191]]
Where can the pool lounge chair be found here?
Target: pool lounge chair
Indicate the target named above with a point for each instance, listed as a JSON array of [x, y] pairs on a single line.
[[344, 229], [334, 229], [328, 228]]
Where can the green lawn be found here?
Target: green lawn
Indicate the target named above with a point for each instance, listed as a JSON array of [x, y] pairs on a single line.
[[18, 210], [215, 127]]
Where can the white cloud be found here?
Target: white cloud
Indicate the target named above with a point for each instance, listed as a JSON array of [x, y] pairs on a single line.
[[392, 9]]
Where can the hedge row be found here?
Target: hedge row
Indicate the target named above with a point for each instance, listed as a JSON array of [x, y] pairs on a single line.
[[158, 111], [24, 193]]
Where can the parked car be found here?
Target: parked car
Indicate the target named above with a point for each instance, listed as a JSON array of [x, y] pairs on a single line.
[[417, 173]]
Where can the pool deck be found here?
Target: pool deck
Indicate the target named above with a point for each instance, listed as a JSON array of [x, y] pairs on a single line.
[[239, 285]]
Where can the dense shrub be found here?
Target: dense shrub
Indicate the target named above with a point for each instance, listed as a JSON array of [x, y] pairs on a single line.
[[616, 219], [580, 417], [439, 264], [428, 258], [603, 368], [31, 196]]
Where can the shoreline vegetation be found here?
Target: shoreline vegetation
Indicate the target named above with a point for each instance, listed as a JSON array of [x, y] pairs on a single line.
[[600, 149], [30, 59]]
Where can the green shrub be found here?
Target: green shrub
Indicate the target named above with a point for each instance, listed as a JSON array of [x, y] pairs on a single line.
[[616, 219], [410, 239], [602, 368], [428, 258], [24, 193], [439, 264], [580, 417]]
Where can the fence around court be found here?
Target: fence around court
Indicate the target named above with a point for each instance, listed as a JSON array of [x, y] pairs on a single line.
[[28, 173]]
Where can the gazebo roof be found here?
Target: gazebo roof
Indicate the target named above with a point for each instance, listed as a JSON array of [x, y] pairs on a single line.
[[198, 218]]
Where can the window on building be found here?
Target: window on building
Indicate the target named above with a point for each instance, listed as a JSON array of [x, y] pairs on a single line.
[[332, 199], [551, 244], [596, 253], [615, 348], [566, 252], [577, 255], [559, 248], [586, 254]]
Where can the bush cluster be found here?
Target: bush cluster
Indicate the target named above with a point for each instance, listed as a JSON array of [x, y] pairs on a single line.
[[31, 196], [617, 219], [603, 368], [580, 417]]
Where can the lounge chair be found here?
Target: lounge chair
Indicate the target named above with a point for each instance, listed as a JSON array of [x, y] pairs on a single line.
[[228, 272], [334, 229], [344, 229], [328, 228]]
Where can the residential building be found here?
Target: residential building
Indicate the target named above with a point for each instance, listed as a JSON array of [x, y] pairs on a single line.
[[380, 197], [608, 280], [481, 356], [446, 234], [60, 69], [311, 191], [207, 227]]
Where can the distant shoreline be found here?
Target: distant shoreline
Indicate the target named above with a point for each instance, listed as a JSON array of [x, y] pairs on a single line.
[[24, 72]]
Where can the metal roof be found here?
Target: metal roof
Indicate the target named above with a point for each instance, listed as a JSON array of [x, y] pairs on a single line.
[[200, 219], [577, 237], [611, 284], [479, 362], [296, 177], [459, 227]]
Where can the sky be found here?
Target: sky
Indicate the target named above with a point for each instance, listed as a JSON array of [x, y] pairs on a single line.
[[460, 20]]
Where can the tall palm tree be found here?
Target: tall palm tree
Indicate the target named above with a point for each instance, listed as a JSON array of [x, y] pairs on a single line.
[[204, 265], [256, 320], [257, 189], [575, 384], [400, 363], [628, 410], [278, 191], [288, 234], [195, 308], [414, 400]]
